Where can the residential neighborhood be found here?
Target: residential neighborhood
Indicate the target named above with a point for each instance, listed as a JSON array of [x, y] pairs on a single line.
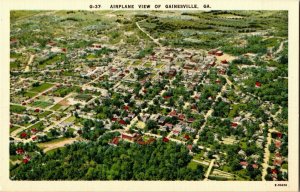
[[131, 95]]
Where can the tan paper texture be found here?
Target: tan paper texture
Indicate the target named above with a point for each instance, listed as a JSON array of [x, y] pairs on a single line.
[[291, 6]]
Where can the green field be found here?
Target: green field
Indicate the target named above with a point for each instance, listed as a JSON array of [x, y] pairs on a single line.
[[41, 88], [148, 64], [42, 104], [13, 128], [17, 109], [44, 114], [70, 119], [137, 62], [193, 165], [39, 126], [30, 94]]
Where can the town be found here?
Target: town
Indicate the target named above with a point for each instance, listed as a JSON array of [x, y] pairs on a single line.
[[131, 95]]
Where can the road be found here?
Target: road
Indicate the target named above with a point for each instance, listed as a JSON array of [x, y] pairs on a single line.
[[209, 169], [265, 163], [154, 40]]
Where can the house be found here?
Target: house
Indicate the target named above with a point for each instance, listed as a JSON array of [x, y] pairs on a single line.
[[13, 41], [26, 159], [51, 44], [224, 61], [190, 147], [189, 129], [162, 120], [169, 125], [219, 53], [274, 171], [96, 46], [37, 110], [130, 137], [212, 52], [33, 131], [20, 151], [279, 135], [122, 122], [113, 69], [172, 72], [244, 164], [126, 107], [241, 152], [131, 115], [222, 71], [142, 142], [234, 125], [190, 120], [114, 141], [255, 166], [277, 144], [257, 84], [173, 113], [167, 97], [277, 155], [23, 135], [165, 140], [212, 63], [181, 117], [175, 132], [186, 137], [277, 162]]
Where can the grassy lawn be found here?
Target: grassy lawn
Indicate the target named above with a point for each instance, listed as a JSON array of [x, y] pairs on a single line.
[[148, 64], [192, 165], [42, 104], [13, 128], [226, 168], [53, 150], [17, 109], [39, 125], [127, 63], [14, 65], [44, 114], [51, 60], [199, 155], [284, 166], [70, 119], [242, 175], [159, 65], [84, 97], [137, 62], [30, 94], [15, 157], [41, 88], [91, 56], [56, 107]]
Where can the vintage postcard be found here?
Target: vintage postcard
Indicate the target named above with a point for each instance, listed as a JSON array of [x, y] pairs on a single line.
[[152, 96]]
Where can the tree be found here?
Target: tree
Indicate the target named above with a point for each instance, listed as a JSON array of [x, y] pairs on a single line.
[[151, 124]]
